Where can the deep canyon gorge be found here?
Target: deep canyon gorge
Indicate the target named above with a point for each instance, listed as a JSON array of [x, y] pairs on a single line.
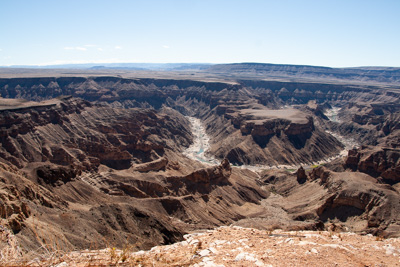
[[93, 159]]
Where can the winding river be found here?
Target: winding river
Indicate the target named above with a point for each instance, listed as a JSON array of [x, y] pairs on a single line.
[[332, 115], [201, 143], [198, 150]]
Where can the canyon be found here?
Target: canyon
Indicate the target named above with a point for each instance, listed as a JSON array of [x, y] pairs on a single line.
[[103, 158]]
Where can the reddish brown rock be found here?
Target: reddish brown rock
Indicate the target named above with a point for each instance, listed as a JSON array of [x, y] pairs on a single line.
[[377, 162], [301, 175]]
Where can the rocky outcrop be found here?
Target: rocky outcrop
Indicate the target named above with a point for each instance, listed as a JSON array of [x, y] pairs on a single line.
[[13, 210], [301, 175], [300, 128], [155, 165], [370, 124], [320, 174], [364, 202], [353, 158], [270, 127], [351, 200], [18, 197], [203, 180], [381, 163], [56, 175]]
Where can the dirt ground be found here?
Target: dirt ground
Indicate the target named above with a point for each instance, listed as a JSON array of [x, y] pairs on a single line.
[[237, 246]]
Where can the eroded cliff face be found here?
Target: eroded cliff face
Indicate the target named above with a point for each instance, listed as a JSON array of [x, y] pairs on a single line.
[[382, 163], [287, 138], [352, 201], [119, 91], [155, 92], [78, 134], [195, 98], [370, 123]]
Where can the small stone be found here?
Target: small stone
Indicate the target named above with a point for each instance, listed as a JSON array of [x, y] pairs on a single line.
[[289, 241], [212, 264], [194, 241], [246, 256], [259, 263], [204, 252], [240, 257], [313, 250], [207, 259], [390, 250], [213, 250], [219, 242]]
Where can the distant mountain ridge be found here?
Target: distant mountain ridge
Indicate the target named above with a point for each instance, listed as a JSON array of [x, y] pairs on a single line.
[[208, 66], [378, 74], [270, 66], [127, 66], [251, 70]]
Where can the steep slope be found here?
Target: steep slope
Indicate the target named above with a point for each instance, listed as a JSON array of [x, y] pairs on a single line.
[[90, 175], [76, 133], [345, 200]]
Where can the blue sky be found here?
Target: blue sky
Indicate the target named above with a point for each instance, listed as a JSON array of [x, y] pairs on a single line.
[[332, 33]]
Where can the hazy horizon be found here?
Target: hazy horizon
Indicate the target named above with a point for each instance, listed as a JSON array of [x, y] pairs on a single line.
[[332, 34], [119, 65]]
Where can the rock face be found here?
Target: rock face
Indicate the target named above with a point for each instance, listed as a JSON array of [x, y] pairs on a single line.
[[156, 165], [16, 195], [155, 92], [76, 133], [268, 140], [301, 175], [371, 124], [381, 163], [274, 127], [203, 180], [350, 200], [49, 174]]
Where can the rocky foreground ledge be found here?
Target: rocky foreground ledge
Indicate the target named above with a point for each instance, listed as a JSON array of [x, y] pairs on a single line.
[[237, 246]]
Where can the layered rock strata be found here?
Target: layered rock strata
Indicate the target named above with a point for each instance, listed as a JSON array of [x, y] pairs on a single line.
[[253, 134]]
